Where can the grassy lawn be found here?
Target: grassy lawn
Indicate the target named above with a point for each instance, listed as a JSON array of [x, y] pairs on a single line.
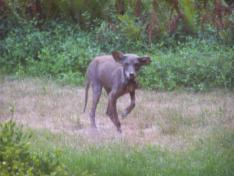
[[168, 133]]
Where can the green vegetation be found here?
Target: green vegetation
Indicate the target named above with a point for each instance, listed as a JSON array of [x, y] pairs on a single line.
[[197, 64], [16, 158], [190, 42], [64, 52], [211, 156]]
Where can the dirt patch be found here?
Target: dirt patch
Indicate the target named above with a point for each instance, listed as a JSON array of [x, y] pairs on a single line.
[[168, 119]]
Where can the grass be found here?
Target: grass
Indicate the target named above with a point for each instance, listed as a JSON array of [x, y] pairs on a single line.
[[211, 156], [160, 118], [168, 133]]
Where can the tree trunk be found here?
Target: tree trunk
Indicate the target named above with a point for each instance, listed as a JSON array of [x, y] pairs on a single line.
[[138, 8], [153, 22], [120, 6]]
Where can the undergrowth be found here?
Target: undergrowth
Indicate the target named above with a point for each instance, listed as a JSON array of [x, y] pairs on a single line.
[[16, 158], [63, 51], [197, 64]]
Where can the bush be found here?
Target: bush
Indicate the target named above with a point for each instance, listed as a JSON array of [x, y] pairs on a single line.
[[125, 36], [196, 64], [61, 49], [16, 159]]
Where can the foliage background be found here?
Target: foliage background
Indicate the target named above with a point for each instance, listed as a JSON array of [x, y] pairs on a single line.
[[191, 46], [190, 42]]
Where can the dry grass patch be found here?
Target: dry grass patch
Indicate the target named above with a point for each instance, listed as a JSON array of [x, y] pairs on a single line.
[[171, 119]]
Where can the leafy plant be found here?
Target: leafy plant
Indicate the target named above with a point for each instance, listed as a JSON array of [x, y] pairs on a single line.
[[196, 64], [16, 158], [63, 51]]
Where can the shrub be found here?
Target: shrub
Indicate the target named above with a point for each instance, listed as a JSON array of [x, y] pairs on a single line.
[[107, 38], [63, 51], [53, 52], [125, 36], [196, 64], [15, 156]]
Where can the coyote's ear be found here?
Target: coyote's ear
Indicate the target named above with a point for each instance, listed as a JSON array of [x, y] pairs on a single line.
[[118, 56], [144, 60]]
